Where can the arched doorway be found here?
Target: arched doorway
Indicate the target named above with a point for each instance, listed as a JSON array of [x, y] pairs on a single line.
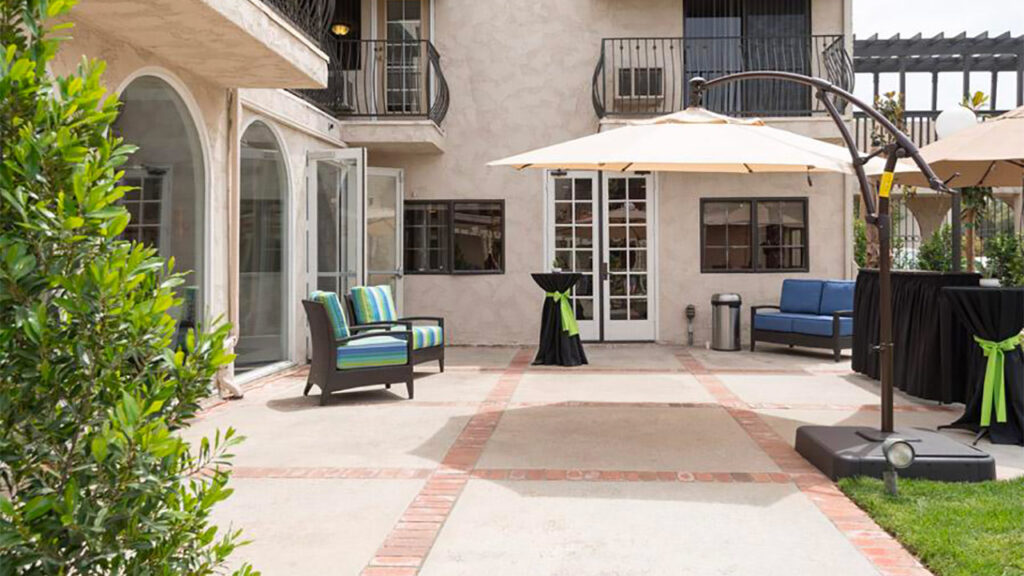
[[263, 285], [167, 173]]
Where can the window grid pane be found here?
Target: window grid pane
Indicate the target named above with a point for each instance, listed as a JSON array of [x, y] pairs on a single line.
[[754, 235]]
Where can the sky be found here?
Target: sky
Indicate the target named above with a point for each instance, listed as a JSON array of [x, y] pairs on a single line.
[[929, 17]]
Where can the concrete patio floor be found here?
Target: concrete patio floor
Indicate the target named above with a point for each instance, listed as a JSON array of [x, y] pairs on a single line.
[[651, 460]]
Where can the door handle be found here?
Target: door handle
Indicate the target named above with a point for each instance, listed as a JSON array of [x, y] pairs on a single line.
[[604, 271]]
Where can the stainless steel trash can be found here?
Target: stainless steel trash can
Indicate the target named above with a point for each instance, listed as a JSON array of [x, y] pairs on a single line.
[[725, 322]]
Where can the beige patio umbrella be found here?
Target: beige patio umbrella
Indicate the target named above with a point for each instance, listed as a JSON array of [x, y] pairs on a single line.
[[693, 140], [989, 154]]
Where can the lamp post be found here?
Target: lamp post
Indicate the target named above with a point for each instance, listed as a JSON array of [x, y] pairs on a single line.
[[947, 123]]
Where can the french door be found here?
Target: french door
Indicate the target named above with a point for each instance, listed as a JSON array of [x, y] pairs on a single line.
[[384, 213], [335, 199], [602, 226]]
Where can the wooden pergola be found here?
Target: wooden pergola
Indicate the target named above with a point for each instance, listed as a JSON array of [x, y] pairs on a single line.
[[938, 54]]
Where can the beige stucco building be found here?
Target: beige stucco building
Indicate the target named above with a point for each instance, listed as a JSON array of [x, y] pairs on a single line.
[[287, 145]]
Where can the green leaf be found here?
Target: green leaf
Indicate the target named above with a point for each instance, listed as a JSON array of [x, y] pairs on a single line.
[[99, 448]]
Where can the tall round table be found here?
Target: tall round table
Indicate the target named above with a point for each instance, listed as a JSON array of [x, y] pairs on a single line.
[[557, 346], [995, 316]]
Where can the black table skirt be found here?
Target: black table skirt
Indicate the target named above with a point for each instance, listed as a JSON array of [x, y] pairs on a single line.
[[932, 354], [992, 314], [556, 347]]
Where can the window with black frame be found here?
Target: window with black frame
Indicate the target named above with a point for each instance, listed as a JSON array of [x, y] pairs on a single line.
[[454, 237], [754, 235]]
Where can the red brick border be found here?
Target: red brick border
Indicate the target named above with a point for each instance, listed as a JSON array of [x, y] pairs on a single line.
[[407, 546], [881, 549]]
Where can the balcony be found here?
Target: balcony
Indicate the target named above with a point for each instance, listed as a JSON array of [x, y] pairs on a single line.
[[639, 77], [391, 94], [228, 42]]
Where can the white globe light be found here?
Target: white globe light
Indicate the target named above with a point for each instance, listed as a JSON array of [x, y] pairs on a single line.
[[953, 120]]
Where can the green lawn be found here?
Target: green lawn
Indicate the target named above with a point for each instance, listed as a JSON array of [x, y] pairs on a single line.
[[955, 529]]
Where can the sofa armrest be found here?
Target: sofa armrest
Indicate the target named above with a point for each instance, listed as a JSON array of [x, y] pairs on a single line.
[[754, 309], [837, 317], [843, 313]]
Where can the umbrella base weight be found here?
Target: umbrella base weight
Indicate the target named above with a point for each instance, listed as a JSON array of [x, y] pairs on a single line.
[[845, 451]]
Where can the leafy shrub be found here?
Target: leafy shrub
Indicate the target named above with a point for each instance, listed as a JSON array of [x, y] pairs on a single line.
[[860, 242], [936, 253], [94, 479], [1005, 259]]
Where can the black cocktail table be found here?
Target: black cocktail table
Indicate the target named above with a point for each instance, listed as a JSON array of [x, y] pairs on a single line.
[[558, 345], [995, 316]]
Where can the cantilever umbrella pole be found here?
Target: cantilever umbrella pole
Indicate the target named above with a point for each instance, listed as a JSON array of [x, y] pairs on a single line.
[[880, 217]]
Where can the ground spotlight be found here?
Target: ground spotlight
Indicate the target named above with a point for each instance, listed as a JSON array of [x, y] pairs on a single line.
[[899, 454]]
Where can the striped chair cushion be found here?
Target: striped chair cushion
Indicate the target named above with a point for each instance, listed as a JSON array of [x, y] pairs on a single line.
[[372, 353], [373, 304], [427, 336], [335, 312]]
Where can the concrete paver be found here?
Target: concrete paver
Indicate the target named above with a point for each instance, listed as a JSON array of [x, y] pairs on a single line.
[[630, 465], [561, 528]]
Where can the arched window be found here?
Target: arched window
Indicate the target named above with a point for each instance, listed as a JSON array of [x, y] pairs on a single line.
[[167, 173], [263, 285]]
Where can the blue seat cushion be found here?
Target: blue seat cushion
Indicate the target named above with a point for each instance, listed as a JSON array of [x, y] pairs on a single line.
[[821, 326], [837, 295], [800, 296], [372, 352], [775, 321]]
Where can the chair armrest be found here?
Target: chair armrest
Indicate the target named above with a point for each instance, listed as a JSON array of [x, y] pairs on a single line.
[[379, 325], [403, 334], [754, 309], [437, 319]]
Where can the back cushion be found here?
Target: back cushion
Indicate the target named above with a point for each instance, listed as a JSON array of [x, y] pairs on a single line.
[[373, 304], [837, 295], [335, 312], [800, 296]]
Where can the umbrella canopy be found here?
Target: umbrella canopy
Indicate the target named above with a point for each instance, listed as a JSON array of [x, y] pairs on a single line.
[[989, 154], [694, 140]]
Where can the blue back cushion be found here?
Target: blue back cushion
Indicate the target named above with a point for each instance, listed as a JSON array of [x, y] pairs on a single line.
[[800, 296], [335, 312], [837, 295]]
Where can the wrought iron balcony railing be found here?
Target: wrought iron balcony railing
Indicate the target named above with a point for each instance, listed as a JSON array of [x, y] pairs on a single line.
[[383, 79], [649, 76], [312, 17]]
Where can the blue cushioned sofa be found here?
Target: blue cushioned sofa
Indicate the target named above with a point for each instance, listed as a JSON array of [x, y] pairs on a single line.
[[811, 313]]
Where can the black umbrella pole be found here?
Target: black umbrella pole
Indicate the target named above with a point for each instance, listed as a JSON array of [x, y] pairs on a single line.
[[885, 289]]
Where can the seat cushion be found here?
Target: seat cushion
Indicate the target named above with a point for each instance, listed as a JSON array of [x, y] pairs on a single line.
[[837, 295], [372, 352], [775, 321], [800, 296], [373, 304], [335, 312], [821, 326], [427, 337]]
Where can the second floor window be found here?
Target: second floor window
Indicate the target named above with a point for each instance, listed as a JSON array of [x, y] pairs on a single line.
[[754, 235], [454, 237]]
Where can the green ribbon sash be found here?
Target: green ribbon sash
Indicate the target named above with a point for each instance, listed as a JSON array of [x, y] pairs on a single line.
[[994, 391], [568, 318]]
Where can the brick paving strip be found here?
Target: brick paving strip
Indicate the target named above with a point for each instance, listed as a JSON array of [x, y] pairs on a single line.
[[406, 547], [888, 556]]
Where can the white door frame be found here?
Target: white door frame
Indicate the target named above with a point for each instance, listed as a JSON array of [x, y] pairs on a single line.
[[342, 155], [590, 330], [399, 272], [630, 330]]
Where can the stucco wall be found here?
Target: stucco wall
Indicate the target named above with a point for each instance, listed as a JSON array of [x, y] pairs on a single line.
[[829, 207], [520, 78]]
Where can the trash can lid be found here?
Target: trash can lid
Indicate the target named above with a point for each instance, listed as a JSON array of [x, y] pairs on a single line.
[[726, 298]]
